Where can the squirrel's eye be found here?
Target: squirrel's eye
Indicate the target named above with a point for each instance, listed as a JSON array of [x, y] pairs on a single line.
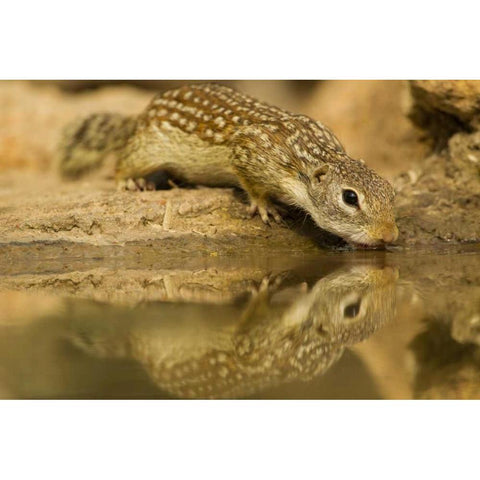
[[351, 311], [350, 198]]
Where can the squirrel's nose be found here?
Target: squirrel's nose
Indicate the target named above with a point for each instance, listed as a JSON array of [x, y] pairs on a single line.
[[391, 235]]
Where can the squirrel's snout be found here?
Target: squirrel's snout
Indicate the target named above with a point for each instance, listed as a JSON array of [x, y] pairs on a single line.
[[386, 234], [390, 235]]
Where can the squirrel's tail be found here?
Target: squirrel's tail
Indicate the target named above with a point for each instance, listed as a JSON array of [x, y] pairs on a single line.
[[86, 142]]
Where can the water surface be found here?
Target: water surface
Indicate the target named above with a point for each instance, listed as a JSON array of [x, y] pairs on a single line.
[[130, 323]]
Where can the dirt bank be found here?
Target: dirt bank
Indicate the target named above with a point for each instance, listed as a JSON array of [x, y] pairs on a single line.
[[438, 199]]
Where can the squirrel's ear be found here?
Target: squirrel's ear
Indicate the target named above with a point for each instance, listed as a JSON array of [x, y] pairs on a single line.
[[320, 172]]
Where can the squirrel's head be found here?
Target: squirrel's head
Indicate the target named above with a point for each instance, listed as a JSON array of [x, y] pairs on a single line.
[[348, 305], [352, 201]]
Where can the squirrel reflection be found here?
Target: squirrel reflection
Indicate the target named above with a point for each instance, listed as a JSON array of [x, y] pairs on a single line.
[[213, 351]]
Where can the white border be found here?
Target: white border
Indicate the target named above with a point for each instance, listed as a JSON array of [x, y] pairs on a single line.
[[230, 440], [257, 40], [247, 39]]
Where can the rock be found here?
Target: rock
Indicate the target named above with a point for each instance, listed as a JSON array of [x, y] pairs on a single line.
[[459, 98], [38, 207], [444, 107]]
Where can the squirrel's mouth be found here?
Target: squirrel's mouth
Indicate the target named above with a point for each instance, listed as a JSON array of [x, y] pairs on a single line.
[[362, 240], [367, 246], [365, 242], [359, 240]]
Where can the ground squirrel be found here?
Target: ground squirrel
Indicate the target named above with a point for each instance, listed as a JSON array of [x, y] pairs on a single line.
[[212, 135]]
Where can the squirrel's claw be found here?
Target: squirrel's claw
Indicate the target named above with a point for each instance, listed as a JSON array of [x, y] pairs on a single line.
[[265, 210]]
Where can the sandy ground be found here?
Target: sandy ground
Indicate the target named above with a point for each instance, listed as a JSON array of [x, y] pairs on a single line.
[[41, 208]]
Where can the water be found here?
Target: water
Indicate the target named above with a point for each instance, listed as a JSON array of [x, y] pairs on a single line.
[[128, 322]]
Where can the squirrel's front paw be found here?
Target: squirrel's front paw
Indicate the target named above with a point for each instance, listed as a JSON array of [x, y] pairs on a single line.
[[265, 210]]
